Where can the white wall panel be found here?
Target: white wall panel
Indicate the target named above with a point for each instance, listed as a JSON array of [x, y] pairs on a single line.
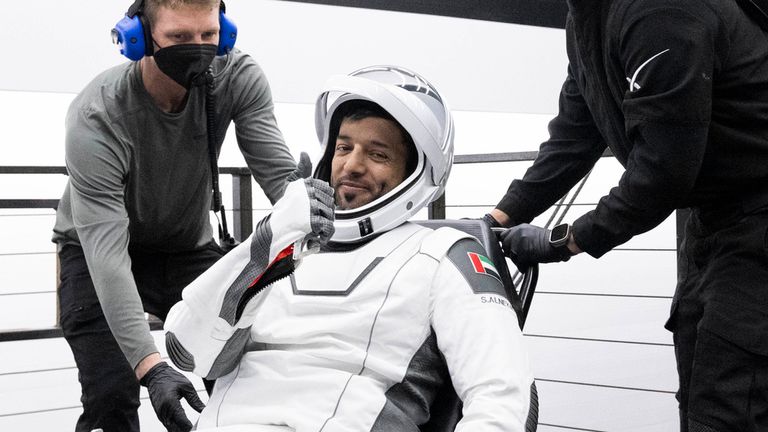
[[50, 421], [38, 391], [496, 132], [32, 186], [647, 367], [549, 428], [475, 132], [31, 125], [605, 175], [641, 273], [481, 184], [599, 317], [606, 409], [28, 311], [34, 355], [27, 273], [26, 234], [664, 237]]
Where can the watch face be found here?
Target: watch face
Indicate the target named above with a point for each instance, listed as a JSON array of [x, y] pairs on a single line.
[[559, 234]]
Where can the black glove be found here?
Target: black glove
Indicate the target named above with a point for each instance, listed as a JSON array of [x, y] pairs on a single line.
[[527, 244], [166, 387]]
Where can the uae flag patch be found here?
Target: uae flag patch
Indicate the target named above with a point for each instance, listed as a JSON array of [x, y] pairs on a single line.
[[483, 265]]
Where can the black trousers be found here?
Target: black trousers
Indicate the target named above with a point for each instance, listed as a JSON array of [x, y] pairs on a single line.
[[720, 322], [110, 391]]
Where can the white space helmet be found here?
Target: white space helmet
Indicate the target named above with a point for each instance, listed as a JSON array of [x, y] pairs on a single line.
[[420, 110]]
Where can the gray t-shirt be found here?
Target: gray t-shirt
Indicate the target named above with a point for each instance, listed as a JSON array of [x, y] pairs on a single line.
[[142, 176]]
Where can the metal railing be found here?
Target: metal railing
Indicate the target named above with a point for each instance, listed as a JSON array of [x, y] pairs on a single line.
[[242, 226], [241, 194]]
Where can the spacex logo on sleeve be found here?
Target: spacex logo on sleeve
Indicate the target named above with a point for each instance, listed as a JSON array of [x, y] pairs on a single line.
[[633, 85]]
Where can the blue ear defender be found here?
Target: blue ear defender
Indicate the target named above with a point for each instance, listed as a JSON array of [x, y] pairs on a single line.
[[227, 32], [129, 35], [132, 33]]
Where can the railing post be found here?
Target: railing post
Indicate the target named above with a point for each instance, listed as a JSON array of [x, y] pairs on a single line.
[[242, 206], [436, 209]]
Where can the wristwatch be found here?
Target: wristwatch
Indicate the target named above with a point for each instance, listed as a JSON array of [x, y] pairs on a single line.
[[559, 235], [558, 238]]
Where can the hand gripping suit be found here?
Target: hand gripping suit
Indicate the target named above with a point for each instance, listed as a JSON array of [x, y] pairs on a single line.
[[357, 340]]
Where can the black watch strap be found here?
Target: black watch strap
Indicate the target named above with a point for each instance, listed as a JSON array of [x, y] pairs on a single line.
[[565, 253]]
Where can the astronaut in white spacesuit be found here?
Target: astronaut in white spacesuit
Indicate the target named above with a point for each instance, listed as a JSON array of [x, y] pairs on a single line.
[[361, 335]]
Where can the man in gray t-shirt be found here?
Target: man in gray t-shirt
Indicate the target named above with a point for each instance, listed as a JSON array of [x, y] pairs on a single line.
[[132, 226]]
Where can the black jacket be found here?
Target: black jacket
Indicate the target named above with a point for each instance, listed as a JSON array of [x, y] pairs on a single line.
[[678, 89]]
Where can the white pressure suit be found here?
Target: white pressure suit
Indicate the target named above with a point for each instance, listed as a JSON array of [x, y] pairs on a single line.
[[358, 340]]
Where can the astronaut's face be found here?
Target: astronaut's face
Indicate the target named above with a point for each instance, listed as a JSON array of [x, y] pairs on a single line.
[[369, 160]]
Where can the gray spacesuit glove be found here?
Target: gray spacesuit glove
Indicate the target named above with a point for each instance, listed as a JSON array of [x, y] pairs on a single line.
[[303, 169], [320, 197], [527, 244], [166, 387]]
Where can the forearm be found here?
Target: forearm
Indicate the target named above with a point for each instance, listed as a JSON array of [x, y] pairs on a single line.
[[572, 246], [123, 310], [146, 364], [97, 164], [662, 170], [258, 135], [267, 156], [105, 248]]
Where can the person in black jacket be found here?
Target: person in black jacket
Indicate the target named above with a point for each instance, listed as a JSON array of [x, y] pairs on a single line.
[[678, 90]]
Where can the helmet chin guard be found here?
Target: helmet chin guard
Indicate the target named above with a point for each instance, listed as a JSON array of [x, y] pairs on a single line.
[[421, 111]]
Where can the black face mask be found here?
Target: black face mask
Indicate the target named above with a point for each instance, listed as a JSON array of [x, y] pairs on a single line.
[[185, 63]]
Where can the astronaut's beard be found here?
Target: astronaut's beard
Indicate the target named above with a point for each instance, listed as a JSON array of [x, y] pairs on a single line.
[[348, 198]]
